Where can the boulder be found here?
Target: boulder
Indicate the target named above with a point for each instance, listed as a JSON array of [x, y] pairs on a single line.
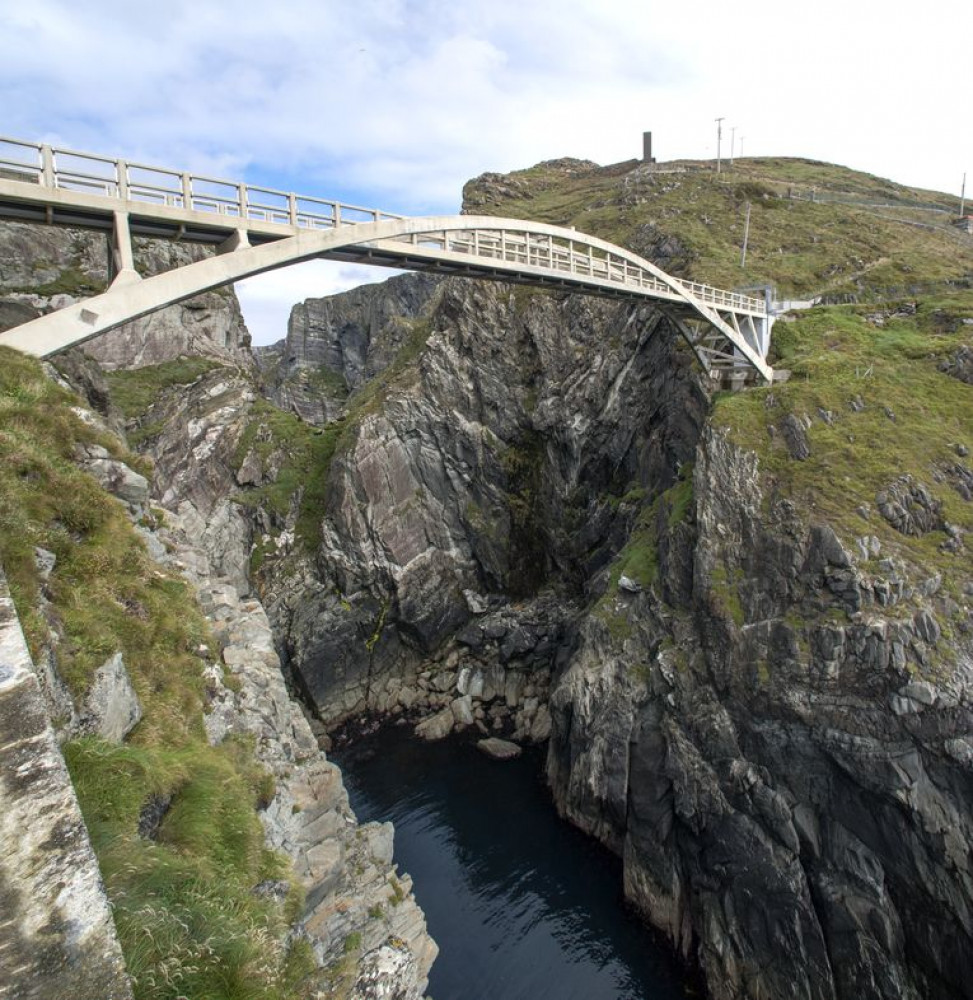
[[436, 727], [499, 749], [111, 709]]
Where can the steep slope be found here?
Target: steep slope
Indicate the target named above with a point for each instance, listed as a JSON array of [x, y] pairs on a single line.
[[743, 621], [230, 856]]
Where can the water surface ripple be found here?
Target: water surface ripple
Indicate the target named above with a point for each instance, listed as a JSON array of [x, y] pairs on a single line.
[[523, 906]]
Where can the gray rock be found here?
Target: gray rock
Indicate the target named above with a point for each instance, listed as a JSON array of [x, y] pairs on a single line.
[[628, 584], [477, 604], [57, 936], [120, 480], [499, 749], [111, 708], [44, 561], [920, 691], [462, 709], [909, 507], [795, 437], [436, 727], [540, 727]]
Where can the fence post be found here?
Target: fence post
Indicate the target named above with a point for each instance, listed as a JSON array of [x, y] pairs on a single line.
[[47, 166], [121, 179]]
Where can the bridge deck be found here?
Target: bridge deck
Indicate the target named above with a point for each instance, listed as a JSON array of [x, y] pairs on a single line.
[[39, 183]]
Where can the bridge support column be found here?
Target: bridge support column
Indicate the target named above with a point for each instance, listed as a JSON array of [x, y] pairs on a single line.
[[237, 240], [123, 259]]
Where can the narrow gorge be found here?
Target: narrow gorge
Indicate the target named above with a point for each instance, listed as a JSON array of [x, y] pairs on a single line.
[[738, 624]]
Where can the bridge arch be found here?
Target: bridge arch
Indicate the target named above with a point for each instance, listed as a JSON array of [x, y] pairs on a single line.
[[475, 246]]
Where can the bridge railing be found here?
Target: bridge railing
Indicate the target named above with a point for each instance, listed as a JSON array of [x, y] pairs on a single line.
[[576, 258], [90, 173]]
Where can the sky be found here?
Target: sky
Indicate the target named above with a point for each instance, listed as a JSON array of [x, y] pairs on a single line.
[[397, 103]]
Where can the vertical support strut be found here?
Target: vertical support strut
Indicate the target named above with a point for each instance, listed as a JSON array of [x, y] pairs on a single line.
[[123, 260]]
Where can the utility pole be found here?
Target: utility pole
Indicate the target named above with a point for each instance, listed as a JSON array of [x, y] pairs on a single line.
[[733, 136], [746, 238], [719, 137], [742, 137], [962, 197]]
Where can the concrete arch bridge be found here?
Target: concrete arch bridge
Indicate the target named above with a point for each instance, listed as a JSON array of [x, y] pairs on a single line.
[[258, 229]]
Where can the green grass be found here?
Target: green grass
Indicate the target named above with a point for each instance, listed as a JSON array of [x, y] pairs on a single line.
[[836, 355], [188, 921], [135, 391], [304, 453], [804, 248]]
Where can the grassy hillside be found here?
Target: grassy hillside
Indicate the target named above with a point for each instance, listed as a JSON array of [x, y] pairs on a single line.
[[872, 388], [189, 922], [862, 237], [873, 381]]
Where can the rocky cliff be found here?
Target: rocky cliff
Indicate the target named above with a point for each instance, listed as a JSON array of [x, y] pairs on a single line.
[[273, 880], [44, 268], [744, 621], [741, 621], [744, 626]]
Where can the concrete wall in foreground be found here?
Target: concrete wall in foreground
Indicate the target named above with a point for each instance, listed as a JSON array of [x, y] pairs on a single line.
[[57, 937]]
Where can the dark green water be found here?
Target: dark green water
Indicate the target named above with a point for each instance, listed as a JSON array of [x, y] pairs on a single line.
[[523, 906]]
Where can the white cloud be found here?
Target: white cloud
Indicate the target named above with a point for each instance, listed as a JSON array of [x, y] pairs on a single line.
[[396, 103]]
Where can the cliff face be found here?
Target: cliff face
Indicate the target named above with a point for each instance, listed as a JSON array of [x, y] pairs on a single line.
[[473, 482], [743, 623], [745, 626], [44, 268], [785, 770], [334, 345], [284, 882]]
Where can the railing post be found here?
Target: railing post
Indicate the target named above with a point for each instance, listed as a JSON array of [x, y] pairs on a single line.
[[292, 208], [187, 192], [337, 214], [47, 166], [121, 179], [242, 200]]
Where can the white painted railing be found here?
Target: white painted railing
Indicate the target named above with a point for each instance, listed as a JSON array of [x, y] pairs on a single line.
[[89, 173]]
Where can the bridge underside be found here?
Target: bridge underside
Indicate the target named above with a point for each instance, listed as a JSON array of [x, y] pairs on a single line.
[[728, 332]]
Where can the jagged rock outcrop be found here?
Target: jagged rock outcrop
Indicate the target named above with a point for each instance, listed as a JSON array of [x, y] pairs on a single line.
[[359, 913], [491, 467], [353, 890], [57, 937], [46, 267], [783, 769], [335, 344], [195, 460]]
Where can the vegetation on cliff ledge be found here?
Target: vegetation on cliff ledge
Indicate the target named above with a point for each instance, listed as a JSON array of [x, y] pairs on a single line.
[[181, 884]]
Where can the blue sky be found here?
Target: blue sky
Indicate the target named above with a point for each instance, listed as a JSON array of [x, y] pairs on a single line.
[[396, 103]]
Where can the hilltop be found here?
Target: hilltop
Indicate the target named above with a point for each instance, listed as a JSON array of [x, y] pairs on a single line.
[[861, 237]]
